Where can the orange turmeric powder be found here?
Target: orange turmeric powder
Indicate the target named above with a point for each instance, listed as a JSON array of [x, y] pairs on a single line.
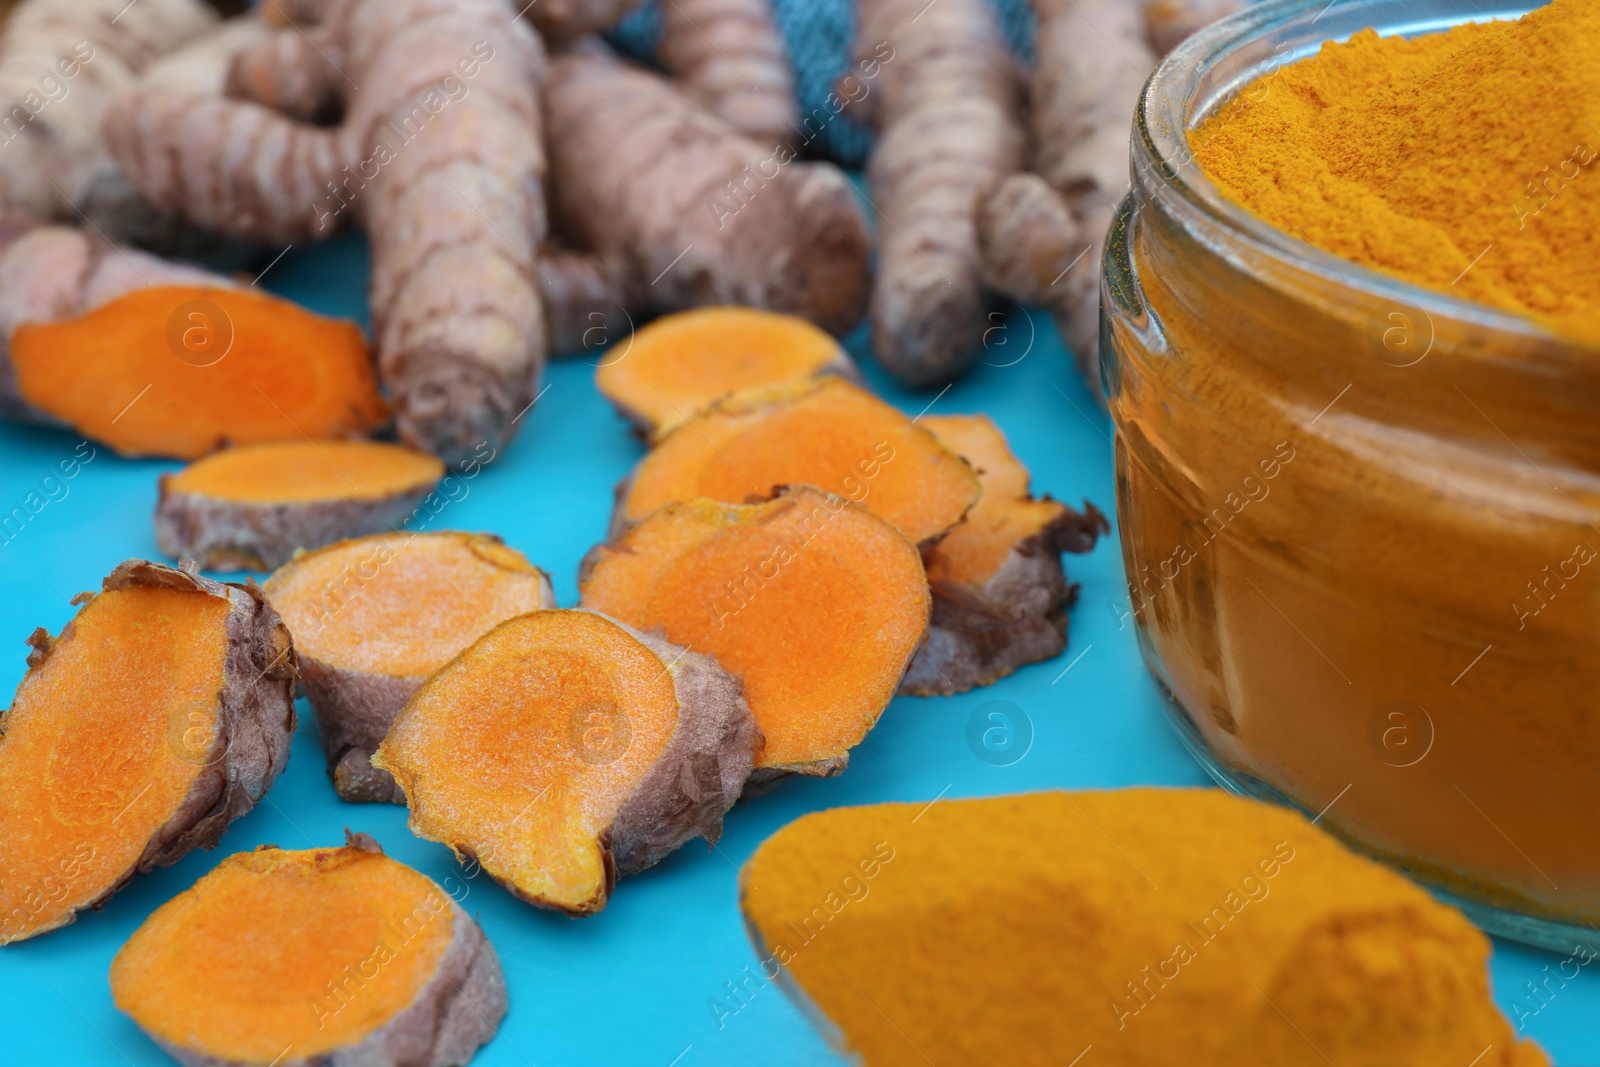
[[1458, 161], [1155, 926]]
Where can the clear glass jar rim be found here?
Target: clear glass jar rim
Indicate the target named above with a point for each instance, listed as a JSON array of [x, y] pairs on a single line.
[[1160, 136]]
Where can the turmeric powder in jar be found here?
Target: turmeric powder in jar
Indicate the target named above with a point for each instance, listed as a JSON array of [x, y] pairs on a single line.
[[1353, 322]]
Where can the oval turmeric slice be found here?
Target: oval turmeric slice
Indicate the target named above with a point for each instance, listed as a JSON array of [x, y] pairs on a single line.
[[374, 617], [678, 365], [326, 956], [827, 433], [179, 371], [564, 749], [251, 508], [162, 713], [1000, 593], [816, 603]]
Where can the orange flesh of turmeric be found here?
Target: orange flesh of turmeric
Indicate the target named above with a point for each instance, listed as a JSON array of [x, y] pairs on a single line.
[[494, 759], [98, 749], [159, 372], [305, 471], [817, 607], [403, 605], [239, 967], [829, 434], [1003, 517], [678, 365]]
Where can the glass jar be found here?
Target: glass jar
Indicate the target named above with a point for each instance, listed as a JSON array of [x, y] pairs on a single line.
[[1360, 519]]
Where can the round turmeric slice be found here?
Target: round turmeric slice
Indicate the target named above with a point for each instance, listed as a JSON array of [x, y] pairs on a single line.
[[251, 508], [815, 602], [827, 433], [680, 364], [374, 617], [326, 956], [1000, 593], [162, 713], [565, 749], [1173, 926], [179, 371]]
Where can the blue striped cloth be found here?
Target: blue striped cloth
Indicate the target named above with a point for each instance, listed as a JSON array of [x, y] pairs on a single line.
[[819, 34]]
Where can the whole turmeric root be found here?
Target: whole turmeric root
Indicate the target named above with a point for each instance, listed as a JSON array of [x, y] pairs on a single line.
[[1041, 235], [946, 112], [161, 714], [62, 63], [560, 21], [1093, 61], [729, 56], [331, 956], [689, 212], [439, 155], [583, 302]]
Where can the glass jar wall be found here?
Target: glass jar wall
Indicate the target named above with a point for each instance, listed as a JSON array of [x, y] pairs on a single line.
[[1361, 520]]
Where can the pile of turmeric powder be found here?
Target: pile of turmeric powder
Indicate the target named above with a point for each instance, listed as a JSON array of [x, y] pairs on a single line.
[[1460, 161], [1120, 928]]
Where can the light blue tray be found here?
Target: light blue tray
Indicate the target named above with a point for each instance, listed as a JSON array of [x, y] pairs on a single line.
[[641, 983]]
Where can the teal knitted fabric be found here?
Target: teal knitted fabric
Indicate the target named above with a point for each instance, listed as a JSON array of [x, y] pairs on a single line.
[[819, 33]]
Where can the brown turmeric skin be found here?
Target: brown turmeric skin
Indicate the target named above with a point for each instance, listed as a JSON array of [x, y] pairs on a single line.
[[253, 508], [161, 713], [1505, 222]]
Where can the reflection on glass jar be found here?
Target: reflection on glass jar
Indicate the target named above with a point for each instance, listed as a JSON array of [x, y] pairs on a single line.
[[1361, 520]]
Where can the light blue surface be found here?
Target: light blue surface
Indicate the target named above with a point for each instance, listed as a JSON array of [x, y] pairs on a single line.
[[635, 985]]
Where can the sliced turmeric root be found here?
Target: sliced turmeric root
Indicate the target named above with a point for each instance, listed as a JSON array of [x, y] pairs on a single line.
[[326, 956], [375, 616], [565, 749], [826, 433], [680, 364], [1267, 941], [1000, 595], [179, 371], [162, 713], [816, 603], [251, 508]]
